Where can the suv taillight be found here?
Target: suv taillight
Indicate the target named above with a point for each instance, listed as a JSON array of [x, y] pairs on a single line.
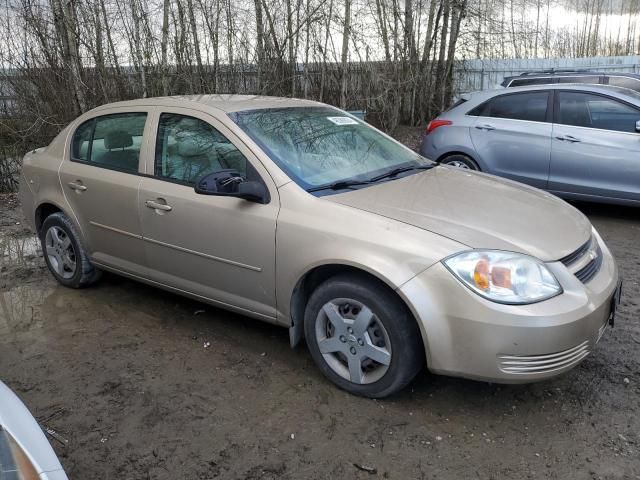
[[433, 124]]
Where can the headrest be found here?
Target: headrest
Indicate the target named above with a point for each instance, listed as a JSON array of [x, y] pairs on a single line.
[[192, 144], [117, 139]]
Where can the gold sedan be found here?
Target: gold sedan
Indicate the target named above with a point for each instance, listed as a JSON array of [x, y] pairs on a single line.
[[297, 213]]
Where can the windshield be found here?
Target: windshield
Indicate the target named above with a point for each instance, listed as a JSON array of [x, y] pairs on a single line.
[[319, 146]]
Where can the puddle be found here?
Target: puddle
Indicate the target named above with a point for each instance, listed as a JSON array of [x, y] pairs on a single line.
[[20, 308], [20, 251]]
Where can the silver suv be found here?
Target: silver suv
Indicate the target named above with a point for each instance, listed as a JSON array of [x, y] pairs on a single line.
[[576, 141]]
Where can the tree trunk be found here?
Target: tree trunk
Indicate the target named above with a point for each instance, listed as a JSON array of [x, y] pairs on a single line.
[[196, 44], [164, 45], [345, 53], [73, 61]]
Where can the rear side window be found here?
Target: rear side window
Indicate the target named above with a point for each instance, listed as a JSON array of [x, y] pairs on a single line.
[[530, 106], [595, 111], [111, 141], [625, 82]]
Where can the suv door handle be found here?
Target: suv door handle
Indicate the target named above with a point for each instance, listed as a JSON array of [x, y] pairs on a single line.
[[77, 186], [158, 206], [568, 138], [485, 126]]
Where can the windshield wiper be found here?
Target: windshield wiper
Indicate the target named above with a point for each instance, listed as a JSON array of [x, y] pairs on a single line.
[[340, 185], [399, 170], [343, 184]]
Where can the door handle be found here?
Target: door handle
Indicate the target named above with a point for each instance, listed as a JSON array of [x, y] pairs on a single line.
[[485, 126], [78, 187], [568, 138], [158, 206]]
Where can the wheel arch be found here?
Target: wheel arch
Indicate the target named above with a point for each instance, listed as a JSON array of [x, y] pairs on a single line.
[[316, 275], [463, 152], [43, 210]]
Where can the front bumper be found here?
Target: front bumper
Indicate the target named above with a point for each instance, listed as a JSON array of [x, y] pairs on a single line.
[[468, 336]]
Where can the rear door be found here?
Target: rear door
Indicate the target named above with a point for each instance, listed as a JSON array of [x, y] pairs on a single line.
[[100, 179], [596, 149], [512, 136]]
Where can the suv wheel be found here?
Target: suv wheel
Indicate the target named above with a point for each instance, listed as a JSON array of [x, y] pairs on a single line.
[[460, 161], [362, 337], [64, 254]]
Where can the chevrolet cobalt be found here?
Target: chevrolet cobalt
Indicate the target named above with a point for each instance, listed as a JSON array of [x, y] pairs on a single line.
[[297, 213]]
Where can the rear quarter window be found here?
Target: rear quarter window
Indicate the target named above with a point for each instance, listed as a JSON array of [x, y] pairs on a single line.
[[80, 142]]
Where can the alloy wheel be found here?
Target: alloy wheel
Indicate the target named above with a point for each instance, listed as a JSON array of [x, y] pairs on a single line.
[[60, 252], [459, 164], [353, 341]]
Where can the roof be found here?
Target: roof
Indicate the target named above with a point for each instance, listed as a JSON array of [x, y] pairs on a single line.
[[596, 88], [226, 103], [572, 73]]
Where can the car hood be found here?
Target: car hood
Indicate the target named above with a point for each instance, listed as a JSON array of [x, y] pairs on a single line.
[[478, 210]]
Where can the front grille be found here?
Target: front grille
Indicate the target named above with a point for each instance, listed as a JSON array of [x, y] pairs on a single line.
[[532, 364], [587, 272], [578, 254], [586, 261]]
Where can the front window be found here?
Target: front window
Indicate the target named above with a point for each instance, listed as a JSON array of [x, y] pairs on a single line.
[[581, 109], [188, 148], [319, 146]]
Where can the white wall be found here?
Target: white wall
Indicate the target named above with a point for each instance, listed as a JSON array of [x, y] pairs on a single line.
[[471, 75]]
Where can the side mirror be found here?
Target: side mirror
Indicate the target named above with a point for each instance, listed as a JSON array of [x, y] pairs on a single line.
[[253, 192], [638, 126], [229, 183]]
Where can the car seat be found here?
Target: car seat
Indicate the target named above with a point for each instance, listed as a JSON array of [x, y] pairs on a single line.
[[116, 142]]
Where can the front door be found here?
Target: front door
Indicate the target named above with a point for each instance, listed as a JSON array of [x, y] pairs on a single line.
[[100, 180], [220, 248], [512, 136], [596, 149]]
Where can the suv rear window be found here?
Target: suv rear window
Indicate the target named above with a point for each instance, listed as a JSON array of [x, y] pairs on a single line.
[[529, 106]]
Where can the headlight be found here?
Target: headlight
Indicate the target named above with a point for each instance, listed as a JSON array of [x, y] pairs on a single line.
[[14, 460], [504, 277]]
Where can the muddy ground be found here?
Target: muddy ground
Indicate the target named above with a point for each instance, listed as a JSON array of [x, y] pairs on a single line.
[[122, 372]]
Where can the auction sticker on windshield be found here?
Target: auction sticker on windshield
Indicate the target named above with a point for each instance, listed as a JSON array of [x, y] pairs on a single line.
[[342, 120]]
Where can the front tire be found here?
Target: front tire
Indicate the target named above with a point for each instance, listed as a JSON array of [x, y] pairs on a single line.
[[64, 254], [362, 337], [460, 161]]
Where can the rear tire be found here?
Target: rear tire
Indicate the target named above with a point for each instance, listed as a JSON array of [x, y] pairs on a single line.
[[64, 254], [461, 161], [362, 337]]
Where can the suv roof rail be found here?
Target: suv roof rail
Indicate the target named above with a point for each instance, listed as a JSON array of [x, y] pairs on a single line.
[[554, 70]]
